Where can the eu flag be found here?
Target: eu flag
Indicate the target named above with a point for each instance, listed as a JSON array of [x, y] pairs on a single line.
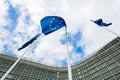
[[29, 42], [100, 22], [50, 24]]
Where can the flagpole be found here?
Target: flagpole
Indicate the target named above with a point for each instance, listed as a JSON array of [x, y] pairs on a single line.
[[68, 56], [16, 62], [116, 34]]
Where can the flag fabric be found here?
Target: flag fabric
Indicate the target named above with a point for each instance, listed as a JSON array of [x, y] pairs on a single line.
[[29, 42], [100, 22], [50, 24]]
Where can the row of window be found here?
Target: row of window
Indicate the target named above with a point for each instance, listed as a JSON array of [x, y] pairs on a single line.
[[90, 63]]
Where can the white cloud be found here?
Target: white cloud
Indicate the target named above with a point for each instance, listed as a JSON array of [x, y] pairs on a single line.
[[51, 47], [3, 22], [3, 13], [75, 58]]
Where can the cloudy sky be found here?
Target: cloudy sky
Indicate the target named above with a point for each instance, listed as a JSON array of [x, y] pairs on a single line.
[[20, 21]]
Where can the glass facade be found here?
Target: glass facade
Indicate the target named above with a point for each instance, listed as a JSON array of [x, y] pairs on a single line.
[[104, 65]]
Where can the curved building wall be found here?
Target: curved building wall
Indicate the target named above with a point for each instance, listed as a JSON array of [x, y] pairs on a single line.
[[104, 65], [26, 70]]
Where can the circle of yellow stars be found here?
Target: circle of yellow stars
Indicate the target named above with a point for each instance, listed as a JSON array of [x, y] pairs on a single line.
[[54, 28]]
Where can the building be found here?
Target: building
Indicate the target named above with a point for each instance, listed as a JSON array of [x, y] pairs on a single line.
[[104, 65]]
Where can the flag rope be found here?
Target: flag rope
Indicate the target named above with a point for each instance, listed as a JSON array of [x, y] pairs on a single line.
[[68, 56]]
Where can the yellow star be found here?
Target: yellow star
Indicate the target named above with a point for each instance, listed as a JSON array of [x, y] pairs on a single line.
[[57, 25], [50, 21], [55, 28], [53, 18]]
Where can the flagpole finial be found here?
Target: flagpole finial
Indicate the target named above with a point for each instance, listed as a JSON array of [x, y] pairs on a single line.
[[91, 20]]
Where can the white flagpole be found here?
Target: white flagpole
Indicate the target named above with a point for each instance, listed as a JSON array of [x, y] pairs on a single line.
[[116, 34], [16, 62], [68, 56]]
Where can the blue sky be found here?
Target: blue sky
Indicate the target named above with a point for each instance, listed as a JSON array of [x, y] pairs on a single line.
[[19, 22]]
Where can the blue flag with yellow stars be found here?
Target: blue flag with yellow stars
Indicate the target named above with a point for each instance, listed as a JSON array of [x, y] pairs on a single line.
[[29, 42], [100, 22], [50, 24]]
